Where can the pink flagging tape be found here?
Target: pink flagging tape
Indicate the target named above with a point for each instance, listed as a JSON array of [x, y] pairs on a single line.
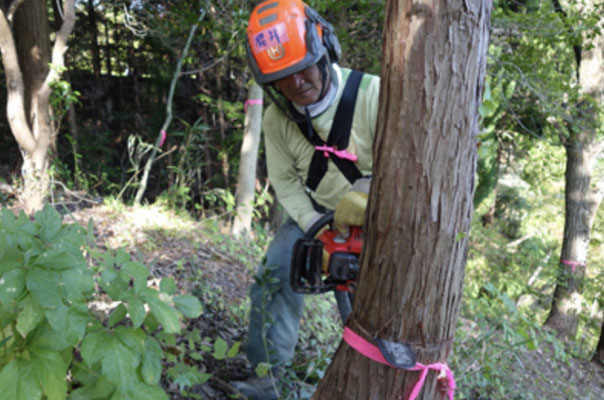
[[372, 352], [344, 154], [573, 264], [163, 138], [251, 102]]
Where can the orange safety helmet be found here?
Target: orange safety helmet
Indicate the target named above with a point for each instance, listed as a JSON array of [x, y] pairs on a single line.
[[285, 37]]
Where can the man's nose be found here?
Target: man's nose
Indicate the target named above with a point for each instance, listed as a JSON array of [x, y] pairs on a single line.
[[296, 79]]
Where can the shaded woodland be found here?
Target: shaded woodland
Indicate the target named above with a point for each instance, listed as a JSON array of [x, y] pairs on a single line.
[[534, 277]]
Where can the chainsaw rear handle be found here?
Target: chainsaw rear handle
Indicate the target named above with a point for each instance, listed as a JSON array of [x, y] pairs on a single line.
[[327, 218]]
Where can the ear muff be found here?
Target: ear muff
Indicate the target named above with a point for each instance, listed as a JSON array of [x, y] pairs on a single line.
[[330, 40]]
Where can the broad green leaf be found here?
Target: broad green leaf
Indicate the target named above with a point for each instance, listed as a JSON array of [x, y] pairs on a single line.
[[138, 272], [30, 315], [94, 385], [13, 259], [117, 315], [119, 395], [220, 349], [140, 391], [136, 309], [262, 369], [166, 315], [114, 285], [90, 232], [122, 256], [18, 381], [51, 371], [234, 349], [12, 284], [102, 388], [50, 339], [93, 347], [189, 306], [44, 287], [132, 338], [72, 236], [3, 246], [168, 286], [78, 318], [119, 363], [57, 317], [56, 258], [77, 284], [50, 222], [186, 376], [151, 361], [151, 323]]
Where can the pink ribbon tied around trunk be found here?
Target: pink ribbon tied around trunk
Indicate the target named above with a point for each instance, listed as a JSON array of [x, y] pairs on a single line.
[[344, 154], [251, 102], [573, 264], [372, 352]]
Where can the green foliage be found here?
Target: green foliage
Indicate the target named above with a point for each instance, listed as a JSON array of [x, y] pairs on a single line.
[[46, 286], [493, 342]]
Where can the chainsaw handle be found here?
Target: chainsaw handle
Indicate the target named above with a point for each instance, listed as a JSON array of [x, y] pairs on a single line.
[[321, 222]]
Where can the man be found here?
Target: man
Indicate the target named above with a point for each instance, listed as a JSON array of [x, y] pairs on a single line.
[[293, 54]]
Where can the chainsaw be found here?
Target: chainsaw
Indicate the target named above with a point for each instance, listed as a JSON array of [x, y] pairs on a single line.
[[327, 262]]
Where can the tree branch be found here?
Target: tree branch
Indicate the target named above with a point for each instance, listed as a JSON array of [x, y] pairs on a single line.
[[15, 110], [12, 9], [58, 50], [168, 120]]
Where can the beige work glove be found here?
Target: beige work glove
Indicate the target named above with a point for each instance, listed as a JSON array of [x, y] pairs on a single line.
[[350, 210]]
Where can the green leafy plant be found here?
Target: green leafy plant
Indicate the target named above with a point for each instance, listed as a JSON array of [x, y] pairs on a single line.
[[48, 331]]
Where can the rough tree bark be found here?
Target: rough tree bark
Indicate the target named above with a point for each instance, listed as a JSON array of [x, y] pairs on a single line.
[[246, 181], [420, 204], [28, 81], [583, 196], [599, 354]]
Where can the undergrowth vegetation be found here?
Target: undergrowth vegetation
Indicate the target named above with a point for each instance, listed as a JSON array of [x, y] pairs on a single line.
[[121, 317]]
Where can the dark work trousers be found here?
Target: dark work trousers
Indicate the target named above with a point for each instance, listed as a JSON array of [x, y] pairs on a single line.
[[276, 308]]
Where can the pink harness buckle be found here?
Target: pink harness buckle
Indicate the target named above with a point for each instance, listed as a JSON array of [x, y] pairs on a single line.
[[344, 154]]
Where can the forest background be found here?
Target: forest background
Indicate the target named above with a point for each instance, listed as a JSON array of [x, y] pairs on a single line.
[[109, 108]]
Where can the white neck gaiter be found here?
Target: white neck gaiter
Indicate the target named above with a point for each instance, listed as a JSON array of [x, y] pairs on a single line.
[[322, 105]]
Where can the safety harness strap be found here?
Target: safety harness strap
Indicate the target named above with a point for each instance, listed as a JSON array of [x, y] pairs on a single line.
[[337, 141]]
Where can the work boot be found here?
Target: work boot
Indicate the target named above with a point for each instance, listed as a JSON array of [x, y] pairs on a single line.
[[260, 388]]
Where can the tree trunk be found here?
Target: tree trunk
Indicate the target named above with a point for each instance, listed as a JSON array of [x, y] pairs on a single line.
[[247, 164], [221, 122], [420, 204], [28, 89], [582, 197], [32, 38], [581, 206], [94, 43], [599, 354]]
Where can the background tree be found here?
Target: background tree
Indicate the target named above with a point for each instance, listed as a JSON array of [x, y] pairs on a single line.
[[584, 191], [25, 44], [246, 182], [420, 204]]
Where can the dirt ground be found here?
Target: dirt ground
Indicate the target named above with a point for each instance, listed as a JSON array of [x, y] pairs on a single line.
[[221, 275]]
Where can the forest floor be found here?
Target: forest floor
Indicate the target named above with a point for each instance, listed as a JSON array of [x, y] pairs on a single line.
[[205, 262]]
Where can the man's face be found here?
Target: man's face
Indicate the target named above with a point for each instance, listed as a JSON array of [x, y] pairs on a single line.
[[303, 88]]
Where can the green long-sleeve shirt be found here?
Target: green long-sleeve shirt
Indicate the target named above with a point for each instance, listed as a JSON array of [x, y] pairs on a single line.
[[288, 153]]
